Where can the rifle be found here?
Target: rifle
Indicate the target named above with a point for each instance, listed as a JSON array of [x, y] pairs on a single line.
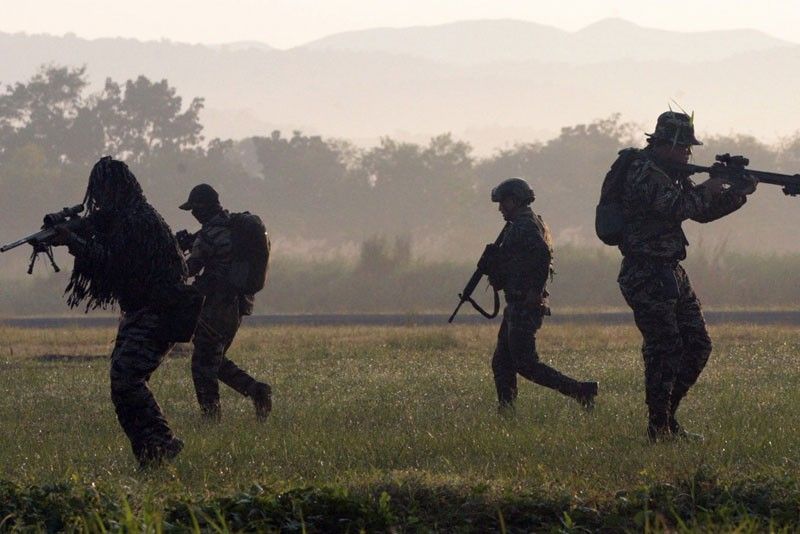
[[185, 240], [733, 170], [41, 241], [466, 293]]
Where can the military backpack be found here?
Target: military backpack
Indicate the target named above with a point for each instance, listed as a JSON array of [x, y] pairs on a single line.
[[250, 253], [609, 222]]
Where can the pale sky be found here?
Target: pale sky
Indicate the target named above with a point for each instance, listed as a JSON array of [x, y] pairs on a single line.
[[287, 23]]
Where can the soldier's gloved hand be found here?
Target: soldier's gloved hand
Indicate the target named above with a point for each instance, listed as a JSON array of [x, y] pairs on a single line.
[[718, 170], [63, 236], [715, 185], [495, 280], [534, 299], [488, 260], [748, 185], [185, 240]]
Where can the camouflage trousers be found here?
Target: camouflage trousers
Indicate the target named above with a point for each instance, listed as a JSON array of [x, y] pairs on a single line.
[[516, 354], [137, 353], [218, 324], [676, 345]]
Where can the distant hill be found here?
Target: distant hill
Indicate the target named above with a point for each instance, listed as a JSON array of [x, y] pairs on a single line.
[[362, 95], [487, 41], [243, 45]]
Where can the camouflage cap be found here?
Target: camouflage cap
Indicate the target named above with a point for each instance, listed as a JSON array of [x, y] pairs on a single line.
[[677, 128], [201, 195], [513, 187]]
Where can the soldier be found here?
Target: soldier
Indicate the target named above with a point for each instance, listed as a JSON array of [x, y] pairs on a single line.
[[520, 266], [656, 199], [130, 258], [209, 263]]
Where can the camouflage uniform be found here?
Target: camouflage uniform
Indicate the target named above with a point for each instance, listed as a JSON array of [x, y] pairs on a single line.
[[676, 345], [221, 316], [130, 258], [521, 269], [137, 353]]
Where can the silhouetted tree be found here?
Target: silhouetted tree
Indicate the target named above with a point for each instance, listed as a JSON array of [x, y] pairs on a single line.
[[147, 118], [44, 112]]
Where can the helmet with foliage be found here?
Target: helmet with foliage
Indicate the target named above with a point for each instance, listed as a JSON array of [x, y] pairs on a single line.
[[676, 128], [513, 187]]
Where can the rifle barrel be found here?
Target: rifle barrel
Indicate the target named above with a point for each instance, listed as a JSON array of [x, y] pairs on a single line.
[[455, 312], [44, 234], [23, 241], [767, 177], [775, 178]]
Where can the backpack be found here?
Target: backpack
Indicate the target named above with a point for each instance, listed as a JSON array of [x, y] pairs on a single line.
[[250, 253], [609, 221]]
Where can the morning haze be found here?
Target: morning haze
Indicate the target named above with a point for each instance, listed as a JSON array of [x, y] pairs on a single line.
[[489, 82], [378, 147]]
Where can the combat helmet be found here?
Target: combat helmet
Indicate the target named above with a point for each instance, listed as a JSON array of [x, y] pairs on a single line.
[[201, 195], [513, 187], [676, 128]]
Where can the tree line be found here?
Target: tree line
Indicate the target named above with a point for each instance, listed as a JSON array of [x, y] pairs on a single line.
[[320, 193]]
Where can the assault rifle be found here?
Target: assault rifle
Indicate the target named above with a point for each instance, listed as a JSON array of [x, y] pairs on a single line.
[[41, 241], [733, 170], [466, 293]]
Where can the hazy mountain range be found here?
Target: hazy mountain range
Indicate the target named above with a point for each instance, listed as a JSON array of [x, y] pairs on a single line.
[[490, 82], [481, 41]]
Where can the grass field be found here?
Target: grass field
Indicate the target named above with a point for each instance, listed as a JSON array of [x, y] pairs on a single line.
[[396, 429]]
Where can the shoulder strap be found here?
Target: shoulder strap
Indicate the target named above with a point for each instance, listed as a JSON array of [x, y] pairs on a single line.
[[483, 312]]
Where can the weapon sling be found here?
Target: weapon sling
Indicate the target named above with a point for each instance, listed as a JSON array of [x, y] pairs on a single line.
[[466, 294]]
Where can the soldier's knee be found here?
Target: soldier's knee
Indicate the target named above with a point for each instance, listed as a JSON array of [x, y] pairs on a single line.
[[125, 376], [499, 366], [656, 346], [206, 359], [205, 348], [204, 372], [124, 387], [700, 343]]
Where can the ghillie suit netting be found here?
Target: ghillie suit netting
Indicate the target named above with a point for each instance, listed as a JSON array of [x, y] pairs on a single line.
[[131, 253]]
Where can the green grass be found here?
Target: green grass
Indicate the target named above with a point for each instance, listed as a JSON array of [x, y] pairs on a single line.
[[383, 427]]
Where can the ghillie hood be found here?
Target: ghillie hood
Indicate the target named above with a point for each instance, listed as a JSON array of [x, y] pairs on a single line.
[[132, 255]]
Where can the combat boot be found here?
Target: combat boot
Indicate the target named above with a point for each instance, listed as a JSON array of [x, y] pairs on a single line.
[[155, 455], [678, 432], [506, 410], [658, 425], [658, 433], [585, 394], [211, 412], [261, 394]]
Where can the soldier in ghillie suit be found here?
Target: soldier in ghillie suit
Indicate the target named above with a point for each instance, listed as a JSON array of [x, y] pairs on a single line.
[[209, 262], [656, 199], [520, 266], [130, 258]]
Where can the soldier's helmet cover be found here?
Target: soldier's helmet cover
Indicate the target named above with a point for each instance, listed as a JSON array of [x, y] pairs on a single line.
[[676, 128], [513, 187], [201, 195]]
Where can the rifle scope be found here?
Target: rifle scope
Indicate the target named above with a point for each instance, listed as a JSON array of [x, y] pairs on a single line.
[[734, 161], [53, 219]]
